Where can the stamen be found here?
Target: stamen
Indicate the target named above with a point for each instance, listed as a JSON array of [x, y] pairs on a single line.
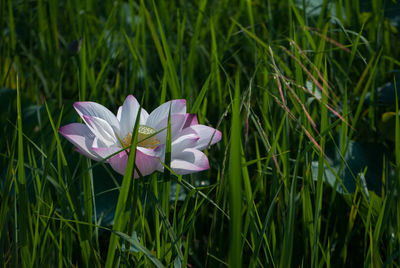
[[126, 142], [144, 138]]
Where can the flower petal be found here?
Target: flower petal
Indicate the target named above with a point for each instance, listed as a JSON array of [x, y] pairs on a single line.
[[161, 113], [177, 121], [191, 119], [208, 136], [144, 115], [104, 152], [178, 146], [118, 162], [89, 108], [119, 113], [101, 129], [183, 142], [189, 161], [129, 112], [80, 136], [146, 160]]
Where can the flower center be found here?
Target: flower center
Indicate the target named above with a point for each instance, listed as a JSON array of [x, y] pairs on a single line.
[[145, 138]]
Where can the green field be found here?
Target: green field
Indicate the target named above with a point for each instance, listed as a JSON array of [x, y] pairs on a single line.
[[304, 92]]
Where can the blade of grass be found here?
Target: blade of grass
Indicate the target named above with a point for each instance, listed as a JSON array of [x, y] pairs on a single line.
[[139, 246], [197, 103], [166, 187], [119, 219], [235, 182], [193, 48], [24, 218]]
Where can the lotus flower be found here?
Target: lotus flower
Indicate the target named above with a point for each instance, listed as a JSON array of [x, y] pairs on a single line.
[[104, 134]]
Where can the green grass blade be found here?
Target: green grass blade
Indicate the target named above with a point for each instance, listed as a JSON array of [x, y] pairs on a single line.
[[119, 219], [235, 182], [139, 246]]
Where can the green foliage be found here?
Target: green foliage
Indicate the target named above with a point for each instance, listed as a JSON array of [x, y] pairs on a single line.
[[303, 91]]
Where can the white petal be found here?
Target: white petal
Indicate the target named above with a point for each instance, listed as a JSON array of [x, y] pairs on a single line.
[[144, 115], [178, 146], [189, 161], [187, 131], [119, 113], [129, 113], [80, 136], [89, 108], [208, 136], [104, 152], [161, 112], [183, 142], [101, 129], [177, 121]]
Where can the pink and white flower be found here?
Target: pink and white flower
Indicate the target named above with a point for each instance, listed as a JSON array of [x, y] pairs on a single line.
[[104, 134]]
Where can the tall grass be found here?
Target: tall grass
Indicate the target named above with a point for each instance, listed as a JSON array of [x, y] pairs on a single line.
[[306, 173]]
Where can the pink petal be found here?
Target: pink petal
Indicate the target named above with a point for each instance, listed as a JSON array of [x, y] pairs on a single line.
[[89, 108], [161, 113], [118, 162], [191, 119], [80, 136], [145, 161]]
